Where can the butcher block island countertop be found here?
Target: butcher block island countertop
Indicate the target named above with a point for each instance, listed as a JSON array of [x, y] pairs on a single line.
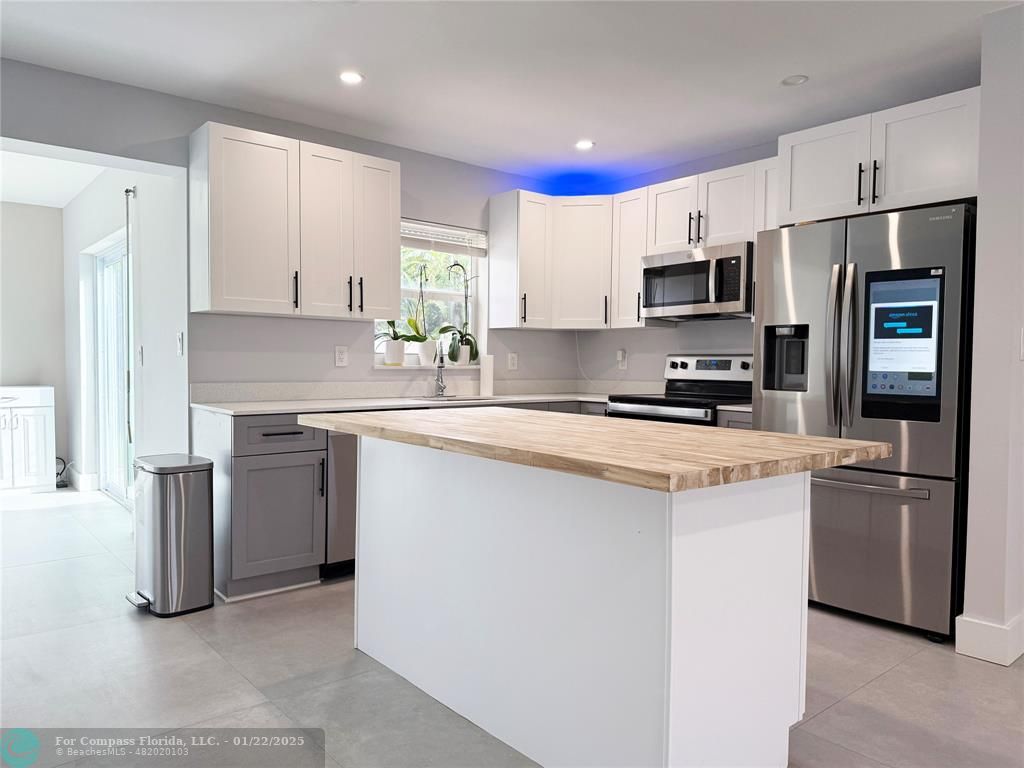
[[648, 454]]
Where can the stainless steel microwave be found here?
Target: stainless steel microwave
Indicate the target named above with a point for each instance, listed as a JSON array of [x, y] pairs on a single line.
[[704, 282]]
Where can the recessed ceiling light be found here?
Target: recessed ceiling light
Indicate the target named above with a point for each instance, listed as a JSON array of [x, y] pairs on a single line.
[[795, 80], [584, 145], [351, 77]]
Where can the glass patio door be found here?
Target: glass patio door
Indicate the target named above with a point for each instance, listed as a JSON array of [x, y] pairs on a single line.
[[113, 352]]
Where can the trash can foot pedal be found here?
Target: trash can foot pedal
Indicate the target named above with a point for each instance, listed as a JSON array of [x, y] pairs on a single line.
[[137, 600]]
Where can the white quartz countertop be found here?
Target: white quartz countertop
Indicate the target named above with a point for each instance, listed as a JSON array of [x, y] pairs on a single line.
[[264, 407]]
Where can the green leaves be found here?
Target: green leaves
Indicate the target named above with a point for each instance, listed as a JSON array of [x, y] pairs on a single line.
[[461, 337], [393, 334]]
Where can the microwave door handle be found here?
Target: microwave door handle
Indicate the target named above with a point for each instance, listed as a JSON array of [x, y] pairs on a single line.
[[831, 311], [846, 345], [712, 288]]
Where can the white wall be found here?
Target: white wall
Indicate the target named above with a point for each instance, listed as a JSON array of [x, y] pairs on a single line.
[[160, 273], [992, 625], [32, 304]]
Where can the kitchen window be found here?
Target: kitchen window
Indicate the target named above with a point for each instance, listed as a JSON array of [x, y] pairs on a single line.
[[433, 251]]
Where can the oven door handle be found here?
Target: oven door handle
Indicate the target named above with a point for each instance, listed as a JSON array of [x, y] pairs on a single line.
[[882, 490], [678, 412]]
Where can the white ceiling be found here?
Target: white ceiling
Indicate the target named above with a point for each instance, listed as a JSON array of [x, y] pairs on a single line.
[[512, 85], [42, 180]]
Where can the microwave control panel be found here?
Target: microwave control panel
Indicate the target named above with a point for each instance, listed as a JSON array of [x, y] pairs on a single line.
[[730, 287]]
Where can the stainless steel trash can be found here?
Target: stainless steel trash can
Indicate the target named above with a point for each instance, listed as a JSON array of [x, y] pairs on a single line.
[[173, 534]]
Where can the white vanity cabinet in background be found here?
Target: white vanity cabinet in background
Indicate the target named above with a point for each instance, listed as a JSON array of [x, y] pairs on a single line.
[[27, 437], [581, 262], [283, 227], [520, 237], [629, 243], [924, 152]]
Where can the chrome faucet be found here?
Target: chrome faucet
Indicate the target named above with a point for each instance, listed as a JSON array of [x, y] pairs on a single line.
[[439, 384]]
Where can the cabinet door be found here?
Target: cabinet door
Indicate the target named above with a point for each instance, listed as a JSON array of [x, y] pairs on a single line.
[[766, 195], [824, 171], [629, 243], [6, 463], [254, 221], [278, 512], [326, 213], [32, 449], [671, 216], [378, 244], [534, 237], [725, 205], [581, 262], [925, 152]]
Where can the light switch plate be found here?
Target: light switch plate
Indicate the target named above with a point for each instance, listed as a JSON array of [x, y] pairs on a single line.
[[340, 357], [513, 361]]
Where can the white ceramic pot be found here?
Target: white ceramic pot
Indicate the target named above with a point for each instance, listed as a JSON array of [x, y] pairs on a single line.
[[426, 351], [394, 352], [463, 355]]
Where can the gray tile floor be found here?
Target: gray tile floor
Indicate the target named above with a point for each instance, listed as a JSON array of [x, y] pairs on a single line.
[[74, 653]]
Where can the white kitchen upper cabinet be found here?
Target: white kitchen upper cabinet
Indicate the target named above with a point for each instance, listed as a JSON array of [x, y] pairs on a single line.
[[244, 221], [581, 257], [725, 206], [925, 152], [378, 239], [327, 275], [766, 195], [629, 244], [824, 172], [671, 215], [519, 242], [32, 448]]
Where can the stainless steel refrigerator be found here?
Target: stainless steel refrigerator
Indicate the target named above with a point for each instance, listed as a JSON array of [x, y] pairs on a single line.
[[862, 330]]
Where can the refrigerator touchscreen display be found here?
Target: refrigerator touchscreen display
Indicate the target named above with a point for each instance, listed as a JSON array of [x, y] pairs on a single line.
[[903, 327]]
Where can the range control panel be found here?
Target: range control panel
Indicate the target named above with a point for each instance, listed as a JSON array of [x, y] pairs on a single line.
[[710, 367]]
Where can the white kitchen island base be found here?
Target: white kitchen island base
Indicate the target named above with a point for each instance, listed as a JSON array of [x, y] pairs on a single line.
[[586, 622]]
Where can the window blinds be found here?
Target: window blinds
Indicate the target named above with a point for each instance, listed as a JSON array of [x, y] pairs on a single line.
[[439, 237]]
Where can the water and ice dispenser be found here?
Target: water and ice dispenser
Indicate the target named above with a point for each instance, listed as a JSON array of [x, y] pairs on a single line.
[[785, 357]]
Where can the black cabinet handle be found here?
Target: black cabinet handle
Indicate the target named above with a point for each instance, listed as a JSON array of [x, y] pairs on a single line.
[[360, 294], [860, 178], [689, 230], [524, 307], [606, 310], [323, 475], [638, 306], [281, 434], [350, 293], [295, 280], [698, 225], [874, 181]]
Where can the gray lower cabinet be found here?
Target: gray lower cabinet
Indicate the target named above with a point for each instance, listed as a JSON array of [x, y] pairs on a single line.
[[278, 512], [735, 419], [594, 409], [564, 407]]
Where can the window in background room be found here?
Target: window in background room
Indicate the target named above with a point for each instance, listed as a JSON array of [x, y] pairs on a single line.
[[433, 250]]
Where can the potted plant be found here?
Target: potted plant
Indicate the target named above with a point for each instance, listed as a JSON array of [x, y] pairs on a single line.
[[426, 348], [394, 345], [462, 347]]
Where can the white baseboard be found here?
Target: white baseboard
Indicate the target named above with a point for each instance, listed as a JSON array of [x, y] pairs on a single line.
[[81, 481], [998, 643]]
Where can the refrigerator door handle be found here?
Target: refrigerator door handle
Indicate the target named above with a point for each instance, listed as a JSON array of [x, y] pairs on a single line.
[[883, 490], [846, 350], [831, 310]]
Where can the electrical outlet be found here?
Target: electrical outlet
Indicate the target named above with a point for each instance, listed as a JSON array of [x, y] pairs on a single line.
[[340, 357], [622, 358], [513, 361]]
